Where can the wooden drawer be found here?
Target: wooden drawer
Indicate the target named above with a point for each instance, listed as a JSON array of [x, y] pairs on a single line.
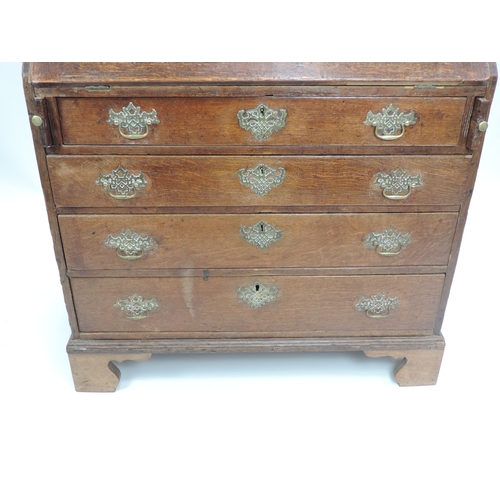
[[211, 181], [191, 306], [256, 241], [309, 121]]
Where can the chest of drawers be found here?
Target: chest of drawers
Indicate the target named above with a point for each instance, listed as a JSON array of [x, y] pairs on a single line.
[[245, 207]]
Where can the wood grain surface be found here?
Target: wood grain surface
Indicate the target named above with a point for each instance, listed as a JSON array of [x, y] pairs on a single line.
[[213, 121], [211, 181], [215, 241], [302, 73], [303, 304]]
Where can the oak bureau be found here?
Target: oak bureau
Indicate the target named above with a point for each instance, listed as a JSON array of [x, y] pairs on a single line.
[[249, 207]]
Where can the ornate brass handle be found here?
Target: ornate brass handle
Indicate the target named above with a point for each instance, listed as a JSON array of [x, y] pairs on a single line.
[[389, 242], [262, 121], [397, 185], [389, 137], [135, 307], [377, 306], [129, 245], [257, 295], [262, 178], [120, 184], [390, 123], [133, 136], [262, 234], [385, 192], [397, 251], [133, 121]]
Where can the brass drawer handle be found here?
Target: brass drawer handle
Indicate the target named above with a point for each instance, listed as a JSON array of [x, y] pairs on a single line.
[[135, 307], [129, 245], [257, 295], [262, 234], [120, 184], [389, 242], [390, 123], [398, 184], [262, 178], [133, 121], [262, 121], [377, 306]]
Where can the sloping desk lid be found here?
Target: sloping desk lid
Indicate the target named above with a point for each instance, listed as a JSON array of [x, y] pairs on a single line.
[[322, 73]]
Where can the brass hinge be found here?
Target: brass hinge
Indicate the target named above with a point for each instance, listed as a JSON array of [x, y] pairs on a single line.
[[97, 88], [423, 86]]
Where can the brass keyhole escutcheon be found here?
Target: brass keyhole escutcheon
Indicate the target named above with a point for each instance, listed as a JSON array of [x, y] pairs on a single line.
[[262, 234], [257, 295]]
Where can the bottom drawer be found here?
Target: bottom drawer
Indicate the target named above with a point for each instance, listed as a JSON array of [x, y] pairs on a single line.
[[264, 306]]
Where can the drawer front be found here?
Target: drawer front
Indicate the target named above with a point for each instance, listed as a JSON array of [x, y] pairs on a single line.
[[256, 241], [197, 181], [367, 305], [243, 121]]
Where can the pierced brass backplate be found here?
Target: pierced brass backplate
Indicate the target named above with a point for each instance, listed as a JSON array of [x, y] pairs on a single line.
[[262, 234], [130, 245], [121, 184], [390, 123], [262, 178], [388, 242], [262, 121], [132, 123], [136, 307], [397, 185], [378, 305], [257, 295]]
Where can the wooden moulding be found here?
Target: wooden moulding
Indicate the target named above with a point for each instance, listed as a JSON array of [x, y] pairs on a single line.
[[256, 272], [133, 91], [419, 359], [254, 149]]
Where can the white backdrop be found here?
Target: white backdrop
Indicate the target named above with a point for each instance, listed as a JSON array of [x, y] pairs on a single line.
[[239, 426]]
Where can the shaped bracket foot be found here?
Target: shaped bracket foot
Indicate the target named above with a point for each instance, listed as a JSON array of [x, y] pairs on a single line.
[[96, 372]]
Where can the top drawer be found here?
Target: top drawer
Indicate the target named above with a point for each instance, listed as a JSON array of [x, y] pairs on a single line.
[[233, 121]]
